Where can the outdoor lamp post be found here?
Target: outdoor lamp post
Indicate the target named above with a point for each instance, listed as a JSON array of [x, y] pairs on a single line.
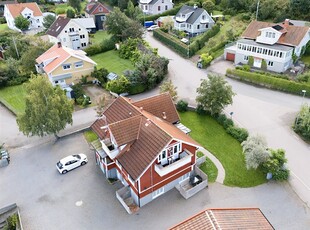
[[303, 97]]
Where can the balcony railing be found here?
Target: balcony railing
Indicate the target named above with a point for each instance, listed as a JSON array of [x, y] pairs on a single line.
[[124, 196], [184, 158], [109, 148]]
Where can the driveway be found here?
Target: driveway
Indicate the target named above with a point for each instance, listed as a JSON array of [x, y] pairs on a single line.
[[83, 199], [267, 112]]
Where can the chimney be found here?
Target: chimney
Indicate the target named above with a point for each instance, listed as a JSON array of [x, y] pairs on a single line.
[[164, 116], [141, 109], [59, 44], [287, 22], [195, 6]]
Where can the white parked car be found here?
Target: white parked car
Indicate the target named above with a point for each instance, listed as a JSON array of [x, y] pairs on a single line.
[[71, 162], [153, 27], [185, 40]]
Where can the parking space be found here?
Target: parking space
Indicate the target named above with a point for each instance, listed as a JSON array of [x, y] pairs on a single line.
[[83, 199]]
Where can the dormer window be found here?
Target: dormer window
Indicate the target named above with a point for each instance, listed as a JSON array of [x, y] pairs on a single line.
[[270, 35], [183, 15], [203, 17]]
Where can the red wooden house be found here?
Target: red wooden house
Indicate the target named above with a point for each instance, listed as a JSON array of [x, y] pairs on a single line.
[[141, 146]]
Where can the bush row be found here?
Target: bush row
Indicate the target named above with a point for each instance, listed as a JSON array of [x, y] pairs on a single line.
[[105, 45], [268, 81], [172, 42]]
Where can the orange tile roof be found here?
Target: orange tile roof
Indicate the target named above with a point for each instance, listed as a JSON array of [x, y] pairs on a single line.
[[145, 133], [292, 35], [226, 219], [59, 55], [16, 9], [158, 104]]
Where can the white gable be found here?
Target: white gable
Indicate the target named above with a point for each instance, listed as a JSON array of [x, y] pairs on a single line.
[[268, 36], [27, 13]]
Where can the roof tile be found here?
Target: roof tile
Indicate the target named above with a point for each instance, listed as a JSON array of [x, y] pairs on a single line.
[[16, 9]]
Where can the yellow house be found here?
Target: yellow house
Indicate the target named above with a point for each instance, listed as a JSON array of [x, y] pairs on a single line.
[[65, 66]]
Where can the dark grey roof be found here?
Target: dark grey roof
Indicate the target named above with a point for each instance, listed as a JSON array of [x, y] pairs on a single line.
[[195, 13], [57, 26], [275, 46], [185, 10]]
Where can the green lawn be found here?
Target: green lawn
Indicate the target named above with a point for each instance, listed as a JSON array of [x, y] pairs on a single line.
[[4, 27], [210, 169], [90, 136], [13, 97], [99, 36], [112, 62], [306, 59], [212, 136]]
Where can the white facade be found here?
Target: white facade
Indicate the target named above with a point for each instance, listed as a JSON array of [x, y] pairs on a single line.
[[193, 22], [35, 21], [73, 36], [151, 7]]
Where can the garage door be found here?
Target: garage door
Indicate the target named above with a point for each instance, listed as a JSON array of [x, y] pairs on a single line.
[[230, 57]]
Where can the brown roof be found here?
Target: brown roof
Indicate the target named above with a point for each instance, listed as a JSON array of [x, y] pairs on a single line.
[[57, 26], [145, 133], [291, 35], [16, 9], [93, 6], [158, 104], [230, 219]]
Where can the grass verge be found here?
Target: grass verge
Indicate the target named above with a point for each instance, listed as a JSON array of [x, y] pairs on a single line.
[[213, 137], [13, 97], [4, 27], [112, 62], [209, 168], [90, 136], [99, 36]]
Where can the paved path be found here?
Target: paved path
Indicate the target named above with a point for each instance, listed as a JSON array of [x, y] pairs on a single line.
[[260, 110], [220, 169]]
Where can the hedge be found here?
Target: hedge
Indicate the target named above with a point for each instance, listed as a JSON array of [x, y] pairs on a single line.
[[268, 81], [172, 42]]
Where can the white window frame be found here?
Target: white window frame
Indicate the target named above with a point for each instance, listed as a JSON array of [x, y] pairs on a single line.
[[158, 192], [64, 68], [245, 58], [78, 64], [270, 63]]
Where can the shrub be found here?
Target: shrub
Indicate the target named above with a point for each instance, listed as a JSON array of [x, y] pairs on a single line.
[[106, 45], [79, 100], [268, 81], [206, 59], [275, 165], [93, 49], [224, 121], [182, 106], [2, 20], [100, 75], [239, 134], [78, 91], [200, 110], [281, 175], [246, 68], [264, 65], [251, 61], [60, 11], [119, 85], [173, 43], [302, 122]]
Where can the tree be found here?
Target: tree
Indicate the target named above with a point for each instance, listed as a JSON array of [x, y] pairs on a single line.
[[255, 151], [122, 27], [119, 85], [132, 11], [70, 13], [48, 21], [100, 75], [168, 24], [168, 86], [208, 5], [302, 122], [47, 111], [275, 165], [100, 105], [300, 9], [76, 4], [214, 94], [21, 23]]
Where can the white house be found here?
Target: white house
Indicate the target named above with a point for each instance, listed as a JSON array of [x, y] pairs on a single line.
[[29, 10], [193, 20], [271, 43], [69, 33], [155, 6]]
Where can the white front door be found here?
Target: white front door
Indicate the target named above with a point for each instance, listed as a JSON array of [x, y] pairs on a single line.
[[257, 63]]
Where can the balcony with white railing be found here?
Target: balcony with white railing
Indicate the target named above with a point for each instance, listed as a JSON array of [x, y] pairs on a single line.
[[109, 148], [184, 158]]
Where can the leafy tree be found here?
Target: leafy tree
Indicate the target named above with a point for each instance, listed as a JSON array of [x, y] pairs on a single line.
[[70, 13], [300, 9], [275, 10], [214, 94], [255, 151], [168, 24], [208, 5], [47, 111], [21, 23], [302, 122], [100, 105], [100, 75], [119, 85], [76, 4], [48, 21], [122, 27], [132, 11], [168, 86], [275, 165]]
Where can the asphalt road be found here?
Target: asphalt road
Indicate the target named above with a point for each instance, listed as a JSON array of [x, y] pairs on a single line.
[[83, 199], [269, 113]]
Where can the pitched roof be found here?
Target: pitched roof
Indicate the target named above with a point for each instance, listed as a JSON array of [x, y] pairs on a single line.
[[157, 105], [195, 13], [57, 26], [85, 22], [17, 8], [144, 133], [226, 219], [59, 55], [291, 35], [92, 6]]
